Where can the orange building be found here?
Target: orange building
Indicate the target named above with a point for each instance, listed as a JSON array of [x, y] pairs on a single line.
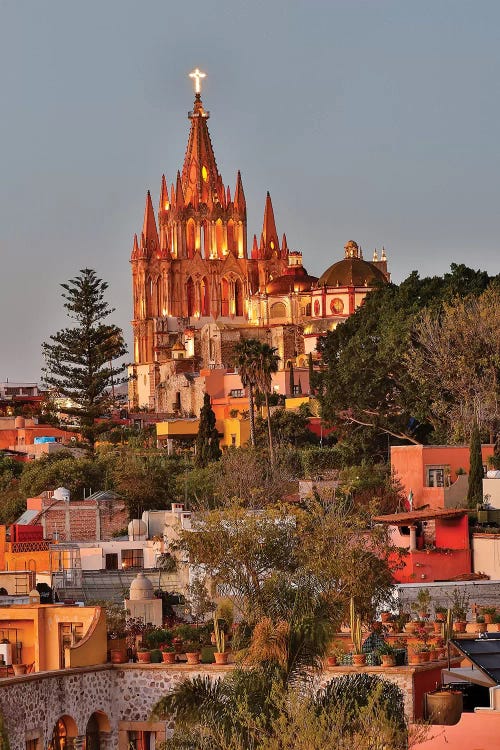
[[434, 474], [53, 636], [19, 434]]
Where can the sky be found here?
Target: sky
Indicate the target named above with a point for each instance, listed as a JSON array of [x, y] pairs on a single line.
[[375, 121]]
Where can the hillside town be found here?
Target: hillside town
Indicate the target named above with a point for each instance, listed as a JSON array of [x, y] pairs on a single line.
[[275, 522]]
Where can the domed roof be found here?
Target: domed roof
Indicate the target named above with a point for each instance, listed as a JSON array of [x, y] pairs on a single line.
[[351, 272], [141, 588], [294, 279]]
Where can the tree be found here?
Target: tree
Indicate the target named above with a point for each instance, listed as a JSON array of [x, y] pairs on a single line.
[[207, 440], [146, 481], [268, 361], [63, 469], [79, 361], [247, 361], [288, 428], [455, 357], [475, 491], [366, 388]]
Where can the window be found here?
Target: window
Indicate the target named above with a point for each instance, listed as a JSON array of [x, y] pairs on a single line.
[[132, 558], [237, 393], [435, 476], [278, 310], [112, 561], [139, 740], [33, 743], [233, 440]]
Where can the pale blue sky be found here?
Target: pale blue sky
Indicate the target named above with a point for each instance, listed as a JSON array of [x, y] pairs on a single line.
[[372, 121]]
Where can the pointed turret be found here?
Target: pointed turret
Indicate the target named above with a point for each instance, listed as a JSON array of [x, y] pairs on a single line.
[[149, 238], [239, 195], [255, 248], [164, 200], [228, 196], [179, 193], [135, 249], [172, 195], [271, 244], [284, 247]]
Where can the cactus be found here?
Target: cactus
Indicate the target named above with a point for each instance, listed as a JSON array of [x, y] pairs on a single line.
[[356, 637], [448, 626], [220, 637]]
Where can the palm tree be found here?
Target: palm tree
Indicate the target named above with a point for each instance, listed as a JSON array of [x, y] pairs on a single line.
[[268, 364], [247, 353]]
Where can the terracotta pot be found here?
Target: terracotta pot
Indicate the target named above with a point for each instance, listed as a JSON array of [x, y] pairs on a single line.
[[425, 656], [388, 660], [481, 627], [221, 658], [359, 660], [488, 619], [19, 669], [118, 656], [414, 657], [411, 626], [433, 654], [193, 657], [460, 626], [144, 657], [437, 625], [331, 661], [168, 657]]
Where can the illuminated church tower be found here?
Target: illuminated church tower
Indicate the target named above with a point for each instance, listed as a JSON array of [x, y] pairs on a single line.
[[190, 265]]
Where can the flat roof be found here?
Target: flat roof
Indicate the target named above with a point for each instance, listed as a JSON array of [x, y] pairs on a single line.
[[404, 519]]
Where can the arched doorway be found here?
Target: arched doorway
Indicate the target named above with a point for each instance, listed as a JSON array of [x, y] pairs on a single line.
[[96, 725], [64, 732]]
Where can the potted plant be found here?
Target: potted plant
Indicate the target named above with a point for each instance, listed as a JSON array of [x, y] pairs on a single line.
[[144, 655], [220, 655], [19, 669], [496, 620], [422, 604], [358, 657], [386, 654], [192, 650], [488, 614], [481, 625], [440, 613], [335, 653], [459, 601], [168, 654]]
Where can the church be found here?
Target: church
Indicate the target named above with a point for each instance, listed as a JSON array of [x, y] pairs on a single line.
[[199, 286]]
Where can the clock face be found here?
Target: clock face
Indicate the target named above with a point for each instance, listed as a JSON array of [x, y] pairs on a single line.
[[337, 306]]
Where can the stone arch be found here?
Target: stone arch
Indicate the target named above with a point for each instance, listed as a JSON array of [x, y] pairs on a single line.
[[97, 725], [64, 730]]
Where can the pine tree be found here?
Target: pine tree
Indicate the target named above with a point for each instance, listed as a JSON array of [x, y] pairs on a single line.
[[207, 441], [79, 359], [475, 492]]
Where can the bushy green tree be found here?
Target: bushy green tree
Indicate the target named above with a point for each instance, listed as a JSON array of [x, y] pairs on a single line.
[[80, 361]]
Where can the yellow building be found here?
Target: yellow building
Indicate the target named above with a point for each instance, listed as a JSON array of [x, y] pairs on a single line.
[[53, 636]]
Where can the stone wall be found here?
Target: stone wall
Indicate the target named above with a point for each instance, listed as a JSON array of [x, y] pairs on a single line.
[[122, 694], [482, 593]]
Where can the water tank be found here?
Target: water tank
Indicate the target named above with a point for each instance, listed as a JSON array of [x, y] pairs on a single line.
[[6, 652], [141, 588], [137, 529], [62, 494]]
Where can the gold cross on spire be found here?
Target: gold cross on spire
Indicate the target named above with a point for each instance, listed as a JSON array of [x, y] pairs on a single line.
[[197, 75]]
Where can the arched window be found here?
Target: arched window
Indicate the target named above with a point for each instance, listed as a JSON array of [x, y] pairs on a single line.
[[238, 297], [204, 297], [190, 297], [190, 237], [224, 297], [219, 236], [278, 310], [231, 243]]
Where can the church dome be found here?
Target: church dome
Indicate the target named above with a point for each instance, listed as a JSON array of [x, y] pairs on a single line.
[[352, 270], [141, 588], [294, 279]]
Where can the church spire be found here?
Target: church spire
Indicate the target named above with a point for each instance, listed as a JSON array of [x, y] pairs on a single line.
[[149, 238], [164, 200], [199, 173], [270, 241]]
